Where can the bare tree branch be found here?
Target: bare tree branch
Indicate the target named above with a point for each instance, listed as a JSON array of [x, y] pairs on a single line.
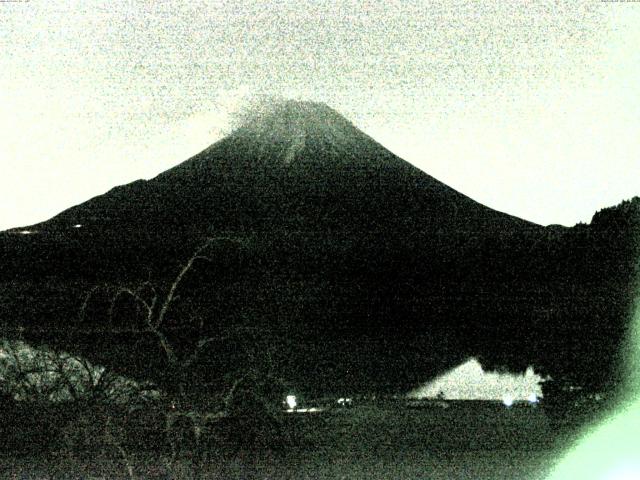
[[196, 353], [87, 299], [174, 286], [136, 297]]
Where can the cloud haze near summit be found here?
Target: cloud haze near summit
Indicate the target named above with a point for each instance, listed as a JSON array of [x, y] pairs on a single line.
[[528, 109]]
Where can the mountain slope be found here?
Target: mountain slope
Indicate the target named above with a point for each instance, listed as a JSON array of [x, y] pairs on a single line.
[[299, 162]]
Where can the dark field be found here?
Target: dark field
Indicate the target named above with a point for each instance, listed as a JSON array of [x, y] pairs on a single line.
[[467, 440], [323, 463]]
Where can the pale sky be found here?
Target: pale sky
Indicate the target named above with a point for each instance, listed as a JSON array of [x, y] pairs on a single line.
[[531, 108]]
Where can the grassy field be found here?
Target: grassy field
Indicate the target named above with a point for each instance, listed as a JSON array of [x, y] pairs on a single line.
[[329, 463], [465, 441]]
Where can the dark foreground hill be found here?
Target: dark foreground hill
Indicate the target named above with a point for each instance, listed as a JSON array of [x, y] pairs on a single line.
[[329, 258]]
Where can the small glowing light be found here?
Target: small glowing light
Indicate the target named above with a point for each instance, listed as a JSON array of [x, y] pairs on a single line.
[[26, 232], [77, 225], [507, 400], [533, 398], [291, 402], [304, 410]]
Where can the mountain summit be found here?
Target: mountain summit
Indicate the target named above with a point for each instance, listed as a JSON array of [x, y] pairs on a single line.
[[302, 134], [293, 122]]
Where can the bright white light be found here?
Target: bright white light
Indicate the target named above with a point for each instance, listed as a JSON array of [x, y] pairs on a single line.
[[507, 400], [77, 225], [533, 398], [291, 401], [624, 472], [304, 410], [26, 232]]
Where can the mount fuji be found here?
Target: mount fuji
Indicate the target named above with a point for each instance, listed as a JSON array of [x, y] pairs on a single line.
[[351, 267]]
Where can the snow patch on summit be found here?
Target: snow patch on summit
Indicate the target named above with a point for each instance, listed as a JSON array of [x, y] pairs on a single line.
[[297, 145], [290, 125]]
